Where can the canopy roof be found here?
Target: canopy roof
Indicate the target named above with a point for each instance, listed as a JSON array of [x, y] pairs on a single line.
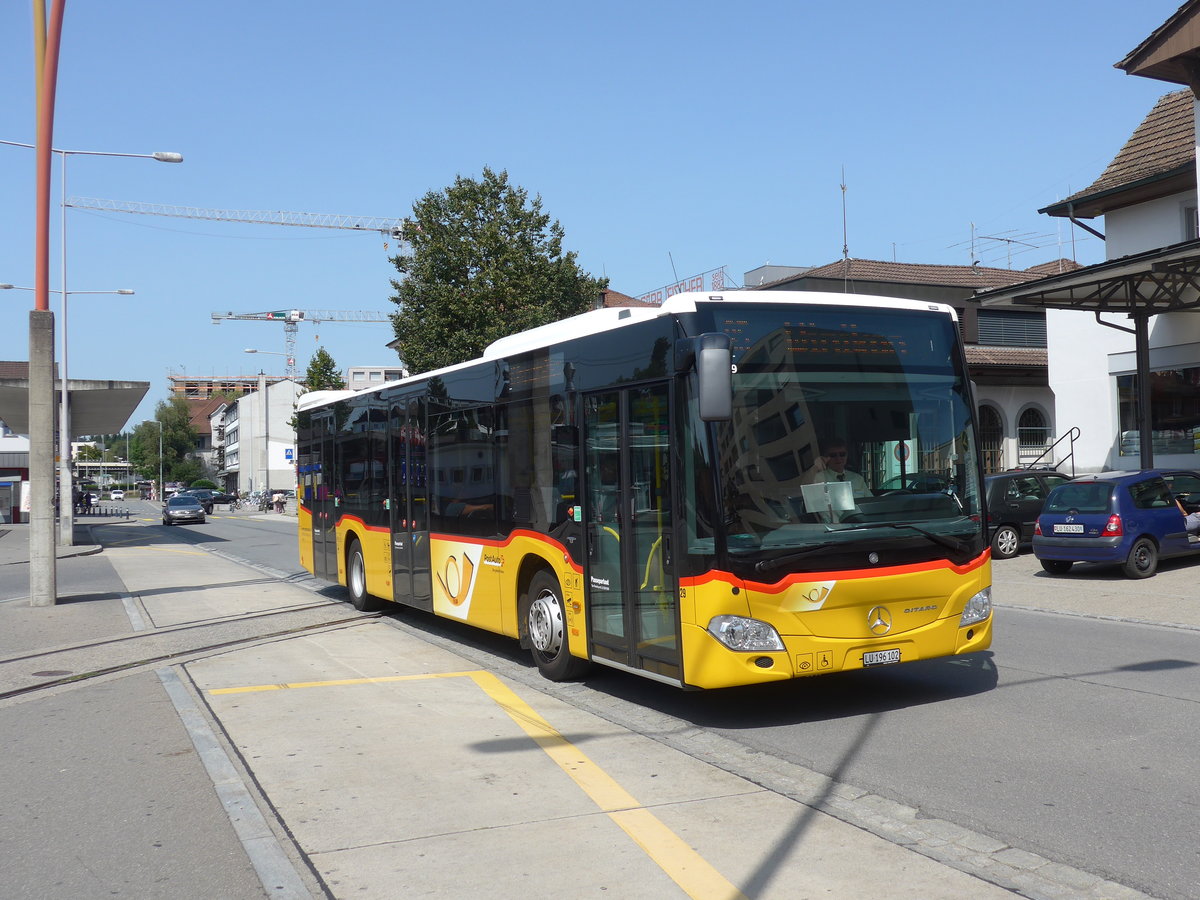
[[1145, 284], [97, 407]]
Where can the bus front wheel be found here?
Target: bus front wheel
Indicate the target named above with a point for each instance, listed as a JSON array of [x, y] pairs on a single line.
[[356, 579], [546, 623]]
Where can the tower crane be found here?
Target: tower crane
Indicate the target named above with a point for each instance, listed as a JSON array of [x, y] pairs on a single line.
[[390, 228], [291, 319]]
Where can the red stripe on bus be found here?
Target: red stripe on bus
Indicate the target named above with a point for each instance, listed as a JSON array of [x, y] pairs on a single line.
[[843, 575]]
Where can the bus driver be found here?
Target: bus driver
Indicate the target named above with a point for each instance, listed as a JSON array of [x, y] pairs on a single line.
[[831, 467]]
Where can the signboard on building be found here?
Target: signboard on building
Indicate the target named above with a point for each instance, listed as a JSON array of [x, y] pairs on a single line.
[[712, 280]]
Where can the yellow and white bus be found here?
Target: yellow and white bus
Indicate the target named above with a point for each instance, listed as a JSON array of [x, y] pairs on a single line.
[[726, 489]]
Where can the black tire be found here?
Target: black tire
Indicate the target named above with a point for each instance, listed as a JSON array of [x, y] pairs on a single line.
[[356, 579], [1142, 561], [1006, 542], [545, 621], [1057, 566]]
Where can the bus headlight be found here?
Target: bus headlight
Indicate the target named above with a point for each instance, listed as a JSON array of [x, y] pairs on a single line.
[[977, 609], [743, 634]]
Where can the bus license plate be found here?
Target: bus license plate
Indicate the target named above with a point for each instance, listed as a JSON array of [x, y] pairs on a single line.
[[1068, 529], [881, 657]]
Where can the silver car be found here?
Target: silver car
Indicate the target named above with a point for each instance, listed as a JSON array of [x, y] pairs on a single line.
[[182, 509]]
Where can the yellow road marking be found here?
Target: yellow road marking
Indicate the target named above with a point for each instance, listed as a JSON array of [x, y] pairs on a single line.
[[385, 679], [672, 854]]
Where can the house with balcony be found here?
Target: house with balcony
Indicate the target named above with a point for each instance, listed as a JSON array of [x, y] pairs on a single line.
[[1124, 336]]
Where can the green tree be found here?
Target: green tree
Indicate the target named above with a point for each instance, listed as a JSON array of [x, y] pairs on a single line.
[[178, 443], [322, 373], [88, 453], [485, 262]]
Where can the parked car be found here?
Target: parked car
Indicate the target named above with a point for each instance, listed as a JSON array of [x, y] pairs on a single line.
[[116, 495], [183, 508], [1014, 500], [222, 497], [918, 482], [1185, 485], [1121, 518], [206, 497]]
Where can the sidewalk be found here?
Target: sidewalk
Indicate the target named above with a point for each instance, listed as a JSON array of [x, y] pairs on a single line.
[[14, 540], [343, 755]]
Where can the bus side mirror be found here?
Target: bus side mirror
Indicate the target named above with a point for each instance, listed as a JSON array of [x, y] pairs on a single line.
[[714, 374]]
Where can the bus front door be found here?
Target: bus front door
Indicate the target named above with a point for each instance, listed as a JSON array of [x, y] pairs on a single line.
[[407, 502], [633, 609]]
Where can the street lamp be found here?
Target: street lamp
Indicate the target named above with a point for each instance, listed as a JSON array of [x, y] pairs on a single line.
[[291, 360], [66, 519]]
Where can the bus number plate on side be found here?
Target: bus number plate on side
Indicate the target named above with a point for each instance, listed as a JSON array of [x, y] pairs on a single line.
[[881, 657]]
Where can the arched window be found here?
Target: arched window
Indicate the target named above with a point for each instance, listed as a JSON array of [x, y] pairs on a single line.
[[991, 439], [1033, 435]]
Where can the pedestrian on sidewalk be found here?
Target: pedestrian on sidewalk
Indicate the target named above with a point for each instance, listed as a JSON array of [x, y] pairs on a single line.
[[277, 502]]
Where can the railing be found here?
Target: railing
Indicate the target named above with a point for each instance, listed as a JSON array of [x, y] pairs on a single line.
[[1069, 437]]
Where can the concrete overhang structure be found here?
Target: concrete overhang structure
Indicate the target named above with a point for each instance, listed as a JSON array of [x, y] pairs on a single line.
[[97, 407]]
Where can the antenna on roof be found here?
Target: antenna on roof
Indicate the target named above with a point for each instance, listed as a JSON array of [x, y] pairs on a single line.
[[673, 272], [845, 240]]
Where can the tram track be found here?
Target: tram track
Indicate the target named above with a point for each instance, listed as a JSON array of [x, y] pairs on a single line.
[[34, 670], [88, 650]]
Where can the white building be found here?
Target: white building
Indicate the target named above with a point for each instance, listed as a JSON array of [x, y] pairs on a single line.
[[257, 440], [1147, 199], [361, 377]]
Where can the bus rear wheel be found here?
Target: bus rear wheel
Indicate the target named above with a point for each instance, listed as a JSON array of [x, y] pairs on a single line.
[[356, 579], [546, 624]]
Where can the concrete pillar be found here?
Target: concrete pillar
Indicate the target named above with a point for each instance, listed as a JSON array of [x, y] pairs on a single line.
[[66, 483], [43, 573]]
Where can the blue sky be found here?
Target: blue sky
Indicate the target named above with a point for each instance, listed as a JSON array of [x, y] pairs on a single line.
[[666, 137]]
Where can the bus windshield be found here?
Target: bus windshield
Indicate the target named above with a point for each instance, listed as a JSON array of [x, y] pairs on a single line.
[[851, 426]]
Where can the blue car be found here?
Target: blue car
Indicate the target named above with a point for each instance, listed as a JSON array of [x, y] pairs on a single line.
[[1128, 519]]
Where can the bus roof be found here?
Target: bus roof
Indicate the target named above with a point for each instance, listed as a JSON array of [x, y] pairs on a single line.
[[597, 321]]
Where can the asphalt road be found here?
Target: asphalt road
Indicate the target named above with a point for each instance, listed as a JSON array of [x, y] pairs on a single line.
[[1074, 738]]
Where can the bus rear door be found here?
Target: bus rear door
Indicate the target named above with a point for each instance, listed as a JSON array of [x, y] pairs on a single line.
[[408, 504], [321, 499]]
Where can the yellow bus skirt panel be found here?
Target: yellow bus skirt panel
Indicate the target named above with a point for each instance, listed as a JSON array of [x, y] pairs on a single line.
[[475, 581], [377, 554], [304, 531]]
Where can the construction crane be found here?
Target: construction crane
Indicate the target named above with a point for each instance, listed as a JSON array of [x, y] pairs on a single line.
[[291, 319], [391, 228]]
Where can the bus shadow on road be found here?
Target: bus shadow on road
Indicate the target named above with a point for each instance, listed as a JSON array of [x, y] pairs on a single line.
[[825, 697], [834, 696]]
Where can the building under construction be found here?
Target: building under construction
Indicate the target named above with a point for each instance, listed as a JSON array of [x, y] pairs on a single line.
[[202, 387]]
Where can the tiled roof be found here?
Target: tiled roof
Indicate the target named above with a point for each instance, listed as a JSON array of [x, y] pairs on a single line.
[[979, 277], [199, 411], [1054, 267], [616, 298], [989, 355], [1162, 144]]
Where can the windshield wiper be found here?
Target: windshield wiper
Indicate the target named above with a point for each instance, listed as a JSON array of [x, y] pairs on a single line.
[[942, 540], [764, 565]]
